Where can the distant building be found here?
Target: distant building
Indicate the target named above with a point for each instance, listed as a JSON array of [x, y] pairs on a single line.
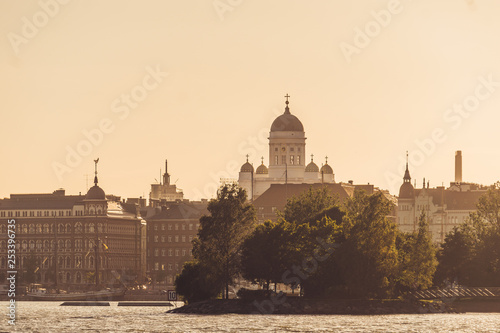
[[445, 208], [170, 232], [165, 190], [69, 235], [287, 160]]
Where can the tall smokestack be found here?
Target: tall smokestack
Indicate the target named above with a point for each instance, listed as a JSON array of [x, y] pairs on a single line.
[[458, 166]]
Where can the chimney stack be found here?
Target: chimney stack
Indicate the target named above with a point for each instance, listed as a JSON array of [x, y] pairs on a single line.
[[458, 166]]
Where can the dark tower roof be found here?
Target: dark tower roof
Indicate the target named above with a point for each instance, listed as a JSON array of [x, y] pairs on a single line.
[[287, 122], [406, 190], [95, 192]]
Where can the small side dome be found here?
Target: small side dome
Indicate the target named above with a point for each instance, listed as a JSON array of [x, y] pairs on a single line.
[[95, 193], [262, 169], [312, 167], [247, 167], [326, 169], [406, 191]]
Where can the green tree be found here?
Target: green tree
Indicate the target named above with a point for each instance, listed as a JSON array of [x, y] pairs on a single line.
[[307, 205], [196, 282], [368, 258], [268, 251], [470, 254], [222, 233], [422, 262]]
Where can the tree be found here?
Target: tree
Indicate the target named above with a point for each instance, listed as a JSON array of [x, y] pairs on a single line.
[[368, 258], [196, 282], [266, 253], [422, 262], [222, 233], [307, 205], [470, 254]]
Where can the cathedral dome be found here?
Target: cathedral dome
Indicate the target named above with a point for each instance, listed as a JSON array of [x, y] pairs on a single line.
[[287, 122], [95, 193], [326, 169]]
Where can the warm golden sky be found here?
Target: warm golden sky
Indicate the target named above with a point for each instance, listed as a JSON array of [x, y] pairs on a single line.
[[220, 71]]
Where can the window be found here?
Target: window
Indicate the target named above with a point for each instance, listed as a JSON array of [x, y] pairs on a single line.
[[163, 239], [169, 226], [169, 239], [170, 253], [156, 252], [156, 239], [169, 267], [156, 226], [183, 238], [162, 226], [183, 226], [183, 253], [176, 239], [163, 252], [291, 159], [176, 253], [190, 226], [25, 214], [176, 226], [292, 149], [283, 159], [276, 160], [276, 149], [190, 238], [298, 159]]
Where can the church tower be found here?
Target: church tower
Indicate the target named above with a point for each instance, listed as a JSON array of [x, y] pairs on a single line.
[[287, 148]]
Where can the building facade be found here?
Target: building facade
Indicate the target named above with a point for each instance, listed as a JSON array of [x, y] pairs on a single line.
[[445, 208], [169, 234], [67, 241]]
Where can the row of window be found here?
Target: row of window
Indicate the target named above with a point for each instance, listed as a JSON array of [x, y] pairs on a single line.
[[170, 267], [171, 252], [45, 213], [175, 226], [172, 238], [49, 228], [47, 245], [293, 160]]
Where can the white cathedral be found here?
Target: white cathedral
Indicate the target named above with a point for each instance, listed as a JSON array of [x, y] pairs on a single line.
[[287, 163]]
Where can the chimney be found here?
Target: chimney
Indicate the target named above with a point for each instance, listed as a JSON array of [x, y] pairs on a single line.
[[458, 166]]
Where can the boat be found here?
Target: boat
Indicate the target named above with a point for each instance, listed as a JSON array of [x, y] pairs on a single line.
[[37, 293]]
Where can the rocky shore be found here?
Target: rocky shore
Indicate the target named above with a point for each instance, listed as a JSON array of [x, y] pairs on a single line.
[[301, 306]]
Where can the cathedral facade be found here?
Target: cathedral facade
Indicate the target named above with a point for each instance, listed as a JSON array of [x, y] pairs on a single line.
[[287, 159]]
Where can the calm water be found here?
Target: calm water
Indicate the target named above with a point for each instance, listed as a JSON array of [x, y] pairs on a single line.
[[50, 317]]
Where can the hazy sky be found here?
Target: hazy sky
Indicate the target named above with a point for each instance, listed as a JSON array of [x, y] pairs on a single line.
[[195, 81]]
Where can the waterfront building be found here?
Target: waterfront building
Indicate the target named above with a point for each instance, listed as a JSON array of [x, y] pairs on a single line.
[[64, 239]]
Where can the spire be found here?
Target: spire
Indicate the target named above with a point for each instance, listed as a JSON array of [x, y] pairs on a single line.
[[95, 178], [407, 177], [247, 157], [312, 156], [326, 159], [287, 109], [166, 176], [262, 160]]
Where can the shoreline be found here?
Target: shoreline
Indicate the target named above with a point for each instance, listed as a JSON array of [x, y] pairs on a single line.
[[300, 306]]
